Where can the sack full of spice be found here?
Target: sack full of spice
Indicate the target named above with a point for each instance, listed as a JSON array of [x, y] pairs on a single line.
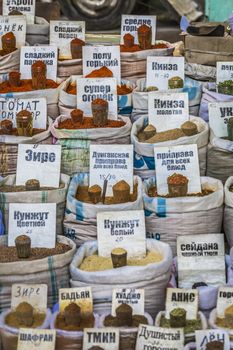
[[38, 32], [151, 273], [144, 164], [10, 193], [167, 218], [80, 215]]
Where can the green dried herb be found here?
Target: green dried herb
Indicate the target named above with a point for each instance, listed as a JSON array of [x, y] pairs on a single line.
[[226, 87]]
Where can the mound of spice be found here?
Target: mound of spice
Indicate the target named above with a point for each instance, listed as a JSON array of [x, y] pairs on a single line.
[[25, 316], [152, 192], [226, 87], [73, 320], [103, 72], [13, 188], [8, 44], [124, 318], [189, 128], [121, 192], [25, 86], [136, 48], [89, 124], [177, 185], [14, 132], [215, 345]]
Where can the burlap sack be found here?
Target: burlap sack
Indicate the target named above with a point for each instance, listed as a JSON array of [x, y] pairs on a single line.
[[9, 63], [38, 33], [57, 196], [152, 277], [53, 271]]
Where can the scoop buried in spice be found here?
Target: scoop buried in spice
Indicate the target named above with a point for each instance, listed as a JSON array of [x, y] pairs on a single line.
[[94, 193], [25, 316], [189, 128], [99, 109], [124, 318], [23, 246], [119, 257], [8, 43], [128, 40], [39, 75], [76, 47], [32, 185], [149, 131], [77, 117], [178, 318], [177, 185], [14, 79], [121, 192], [103, 72]]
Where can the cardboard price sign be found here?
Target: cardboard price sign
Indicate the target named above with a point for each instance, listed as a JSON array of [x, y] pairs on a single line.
[[26, 7], [41, 162], [36, 339], [130, 24], [182, 298], [33, 294], [150, 337], [112, 163], [36, 220], [15, 24], [131, 296], [89, 89], [106, 338], [219, 114], [201, 258], [225, 299], [182, 159], [161, 72], [125, 229], [167, 111], [63, 32], [31, 54], [224, 71], [80, 296], [203, 337], [38, 106], [96, 57]]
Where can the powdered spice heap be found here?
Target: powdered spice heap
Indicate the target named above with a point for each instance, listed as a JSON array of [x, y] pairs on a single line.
[[89, 124], [124, 318], [76, 46], [121, 192], [103, 72], [25, 86], [72, 315], [8, 43], [25, 316], [128, 40], [73, 320]]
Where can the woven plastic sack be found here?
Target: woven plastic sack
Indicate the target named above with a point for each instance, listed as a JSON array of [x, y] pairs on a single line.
[[52, 270], [9, 63], [9, 335], [80, 218], [152, 277], [144, 164], [228, 212], [200, 72], [57, 196], [38, 32]]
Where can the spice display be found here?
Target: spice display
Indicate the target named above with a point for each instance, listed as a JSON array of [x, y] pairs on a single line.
[[121, 192], [8, 44], [177, 185], [226, 87], [25, 316], [162, 136], [39, 71], [32, 185], [6, 126], [152, 192], [98, 263], [149, 131], [175, 83], [178, 318], [128, 40], [76, 47], [230, 129], [76, 116], [215, 345], [94, 193], [24, 121], [136, 48], [190, 327], [124, 318], [14, 188], [99, 109], [121, 89], [25, 86], [119, 257], [103, 72], [23, 246], [189, 128], [144, 37], [14, 79], [89, 124]]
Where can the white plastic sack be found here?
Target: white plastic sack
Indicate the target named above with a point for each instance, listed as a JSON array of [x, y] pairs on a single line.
[[152, 277], [144, 152], [200, 72], [228, 212], [80, 218], [212, 323], [38, 32], [9, 63]]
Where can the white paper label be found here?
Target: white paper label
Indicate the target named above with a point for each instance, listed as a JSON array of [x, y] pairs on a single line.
[[161, 69], [124, 229], [31, 54], [113, 163], [89, 89], [36, 339], [26, 7], [36, 220], [96, 57], [209, 335], [167, 111], [224, 71], [219, 114], [41, 162], [80, 296], [131, 296], [38, 106], [150, 337], [186, 299], [106, 338], [182, 159], [130, 24], [201, 258], [33, 294], [63, 32], [15, 24], [225, 299]]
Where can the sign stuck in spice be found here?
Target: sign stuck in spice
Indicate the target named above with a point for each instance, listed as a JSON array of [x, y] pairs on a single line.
[[36, 339], [130, 24], [186, 299], [15, 24], [203, 337], [131, 296], [34, 294], [105, 338], [26, 7], [80, 296], [219, 114]]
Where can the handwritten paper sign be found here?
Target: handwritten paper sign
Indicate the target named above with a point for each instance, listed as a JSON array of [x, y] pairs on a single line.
[[89, 89], [36, 220], [40, 162], [150, 337], [38, 106], [161, 72], [186, 299], [15, 24], [26, 7], [167, 111], [106, 338], [182, 159], [203, 337], [96, 57], [201, 258], [113, 163], [124, 229], [36, 339], [131, 296], [33, 294], [224, 71], [31, 54], [130, 24], [63, 32], [219, 114], [224, 300], [80, 296]]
